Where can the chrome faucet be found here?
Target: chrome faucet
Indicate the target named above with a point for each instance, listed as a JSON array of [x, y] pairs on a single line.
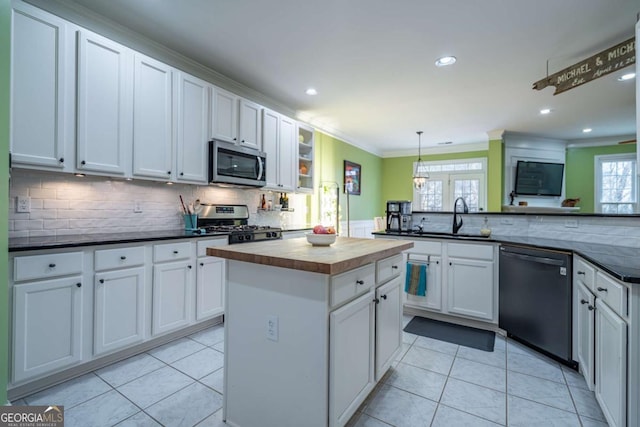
[[465, 209]]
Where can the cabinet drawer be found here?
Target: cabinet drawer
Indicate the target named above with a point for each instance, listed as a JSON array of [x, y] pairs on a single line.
[[612, 292], [45, 266], [351, 283], [388, 268], [108, 259], [204, 244], [585, 273], [465, 250], [427, 247], [171, 251]]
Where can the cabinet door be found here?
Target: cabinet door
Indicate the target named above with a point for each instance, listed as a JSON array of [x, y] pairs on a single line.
[[193, 113], [105, 103], [152, 118], [270, 145], [351, 357], [585, 330], [433, 298], [611, 365], [249, 123], [172, 283], [210, 287], [39, 67], [388, 325], [119, 309], [287, 167], [47, 326], [471, 288], [224, 120]]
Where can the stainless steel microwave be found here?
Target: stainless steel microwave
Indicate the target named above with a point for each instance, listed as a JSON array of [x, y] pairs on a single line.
[[233, 165]]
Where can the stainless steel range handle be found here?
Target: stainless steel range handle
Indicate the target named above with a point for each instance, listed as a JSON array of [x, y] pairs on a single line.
[[261, 170], [531, 258]]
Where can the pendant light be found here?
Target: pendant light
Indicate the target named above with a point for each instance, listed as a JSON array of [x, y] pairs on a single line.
[[419, 177]]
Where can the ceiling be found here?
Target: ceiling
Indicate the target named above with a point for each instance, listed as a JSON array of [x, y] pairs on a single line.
[[372, 62]]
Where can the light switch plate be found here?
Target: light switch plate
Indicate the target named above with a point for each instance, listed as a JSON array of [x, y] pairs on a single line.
[[272, 328]]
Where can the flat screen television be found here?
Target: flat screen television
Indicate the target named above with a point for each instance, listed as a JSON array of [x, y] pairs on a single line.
[[539, 179]]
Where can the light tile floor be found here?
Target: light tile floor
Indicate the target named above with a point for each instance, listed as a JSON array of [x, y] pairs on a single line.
[[432, 383]]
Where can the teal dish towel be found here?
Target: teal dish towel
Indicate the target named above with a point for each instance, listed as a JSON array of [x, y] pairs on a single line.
[[416, 281]]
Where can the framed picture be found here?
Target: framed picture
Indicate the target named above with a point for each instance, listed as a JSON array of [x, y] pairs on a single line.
[[352, 178]]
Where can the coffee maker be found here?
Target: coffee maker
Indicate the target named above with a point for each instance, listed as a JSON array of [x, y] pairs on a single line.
[[405, 216], [398, 215]]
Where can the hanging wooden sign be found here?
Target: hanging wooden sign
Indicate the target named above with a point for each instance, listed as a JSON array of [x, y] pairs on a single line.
[[609, 60]]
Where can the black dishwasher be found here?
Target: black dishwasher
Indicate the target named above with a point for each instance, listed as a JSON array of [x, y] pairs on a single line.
[[535, 299]]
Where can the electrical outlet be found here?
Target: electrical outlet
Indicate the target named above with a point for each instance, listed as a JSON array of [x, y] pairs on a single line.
[[23, 204], [571, 223], [137, 206], [506, 221], [272, 328]]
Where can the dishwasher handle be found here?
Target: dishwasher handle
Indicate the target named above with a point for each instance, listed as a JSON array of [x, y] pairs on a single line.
[[531, 258]]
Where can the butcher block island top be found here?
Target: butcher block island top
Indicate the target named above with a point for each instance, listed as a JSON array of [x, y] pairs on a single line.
[[345, 254]]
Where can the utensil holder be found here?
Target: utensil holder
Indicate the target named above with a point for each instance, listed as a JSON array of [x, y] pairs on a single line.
[[190, 222]]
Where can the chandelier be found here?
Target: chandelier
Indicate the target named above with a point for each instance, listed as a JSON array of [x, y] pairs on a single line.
[[419, 177]]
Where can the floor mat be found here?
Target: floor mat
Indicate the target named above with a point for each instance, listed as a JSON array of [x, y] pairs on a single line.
[[450, 332]]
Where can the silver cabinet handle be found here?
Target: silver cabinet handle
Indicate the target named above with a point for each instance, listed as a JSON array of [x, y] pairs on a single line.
[[591, 308], [602, 289], [360, 282], [394, 267], [583, 301], [581, 272], [123, 257]]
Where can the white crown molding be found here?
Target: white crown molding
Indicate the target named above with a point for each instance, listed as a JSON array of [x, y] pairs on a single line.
[[440, 149], [595, 142], [495, 134]]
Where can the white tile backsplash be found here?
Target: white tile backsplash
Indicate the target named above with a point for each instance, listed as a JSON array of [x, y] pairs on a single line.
[[62, 204]]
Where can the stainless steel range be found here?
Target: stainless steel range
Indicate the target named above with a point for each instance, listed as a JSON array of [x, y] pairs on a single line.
[[234, 219]]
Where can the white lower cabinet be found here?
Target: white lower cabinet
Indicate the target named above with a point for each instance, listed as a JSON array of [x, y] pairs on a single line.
[[611, 364], [351, 357], [604, 325], [388, 325], [210, 287], [585, 330], [172, 293], [461, 278], [47, 326], [471, 288], [118, 309]]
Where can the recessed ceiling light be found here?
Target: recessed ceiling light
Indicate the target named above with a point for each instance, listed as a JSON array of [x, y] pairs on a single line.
[[545, 111], [586, 130], [311, 91], [446, 60], [627, 76]]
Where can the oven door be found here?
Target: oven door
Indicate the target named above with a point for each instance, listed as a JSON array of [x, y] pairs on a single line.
[[233, 165]]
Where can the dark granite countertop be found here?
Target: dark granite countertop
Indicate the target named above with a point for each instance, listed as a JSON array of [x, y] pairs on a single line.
[[622, 263], [70, 241]]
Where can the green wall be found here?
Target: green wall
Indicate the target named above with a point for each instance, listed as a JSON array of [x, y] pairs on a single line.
[[495, 176], [398, 171], [331, 154], [580, 172], [5, 36]]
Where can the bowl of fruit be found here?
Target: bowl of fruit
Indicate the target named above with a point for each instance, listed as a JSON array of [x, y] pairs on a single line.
[[322, 236]]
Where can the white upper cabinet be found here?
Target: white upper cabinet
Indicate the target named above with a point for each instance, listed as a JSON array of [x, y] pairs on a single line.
[[152, 118], [249, 124], [235, 119], [224, 115], [278, 142], [42, 72], [192, 117], [105, 101]]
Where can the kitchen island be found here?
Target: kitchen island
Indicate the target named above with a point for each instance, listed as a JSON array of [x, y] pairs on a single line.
[[309, 330]]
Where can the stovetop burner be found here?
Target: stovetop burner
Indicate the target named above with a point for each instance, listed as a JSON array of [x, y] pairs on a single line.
[[233, 219]]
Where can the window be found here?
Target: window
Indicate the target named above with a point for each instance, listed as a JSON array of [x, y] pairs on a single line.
[[449, 180], [616, 184]]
